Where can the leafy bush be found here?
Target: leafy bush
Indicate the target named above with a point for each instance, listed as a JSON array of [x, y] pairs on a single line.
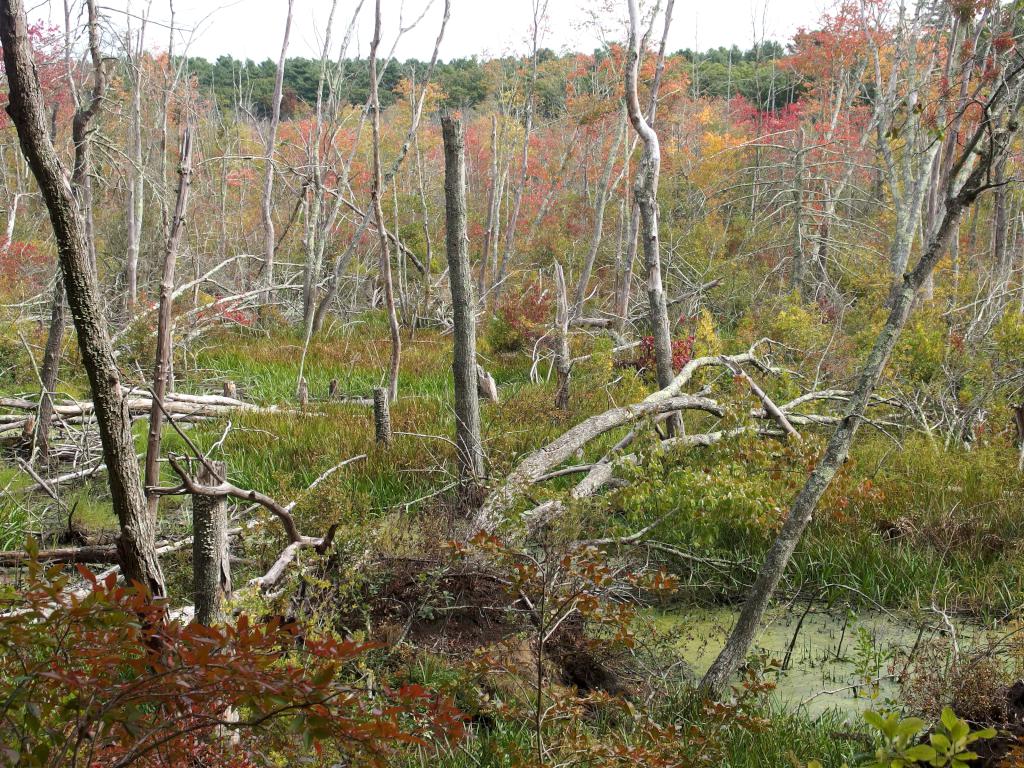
[[106, 678], [947, 746], [645, 359], [922, 349], [520, 319]]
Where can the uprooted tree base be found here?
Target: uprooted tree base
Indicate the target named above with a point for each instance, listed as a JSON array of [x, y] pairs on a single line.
[[462, 611]]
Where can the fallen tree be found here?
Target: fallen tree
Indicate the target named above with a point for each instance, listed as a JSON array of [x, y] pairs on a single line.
[[543, 464], [178, 404]]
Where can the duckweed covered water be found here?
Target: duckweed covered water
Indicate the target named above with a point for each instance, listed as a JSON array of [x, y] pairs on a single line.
[[818, 659]]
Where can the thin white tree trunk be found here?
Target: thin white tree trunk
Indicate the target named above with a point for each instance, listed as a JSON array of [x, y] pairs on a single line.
[[269, 241]]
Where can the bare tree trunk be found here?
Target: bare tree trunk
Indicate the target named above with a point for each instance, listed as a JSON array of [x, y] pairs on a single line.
[[539, 12], [269, 243], [331, 291], [1002, 256], [646, 193], [563, 361], [378, 213], [1018, 423], [493, 197], [629, 260], [625, 286], [136, 192], [381, 416], [165, 321], [467, 402], [81, 185], [137, 542], [12, 219], [428, 256], [211, 563], [797, 277], [318, 227], [603, 193], [49, 370], [903, 296]]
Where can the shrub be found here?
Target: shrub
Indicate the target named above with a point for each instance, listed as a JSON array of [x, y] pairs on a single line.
[[645, 360], [106, 678], [521, 318]]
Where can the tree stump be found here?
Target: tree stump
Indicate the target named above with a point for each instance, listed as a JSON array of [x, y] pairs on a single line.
[[486, 386], [381, 416], [211, 565]]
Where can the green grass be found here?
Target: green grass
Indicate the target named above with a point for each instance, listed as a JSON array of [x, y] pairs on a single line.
[[963, 511], [897, 529]]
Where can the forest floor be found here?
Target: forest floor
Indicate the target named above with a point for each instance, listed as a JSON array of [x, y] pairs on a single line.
[[915, 541]]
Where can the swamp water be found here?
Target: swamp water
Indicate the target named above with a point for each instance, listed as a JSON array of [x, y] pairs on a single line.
[[839, 661]]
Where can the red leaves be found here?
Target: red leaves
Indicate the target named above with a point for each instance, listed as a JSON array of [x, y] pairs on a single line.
[[766, 122], [1004, 42], [645, 358], [109, 675]]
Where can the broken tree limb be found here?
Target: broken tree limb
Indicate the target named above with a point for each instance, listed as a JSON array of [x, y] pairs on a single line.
[[224, 488], [288, 555], [534, 466], [486, 386], [769, 405], [666, 400], [686, 374]]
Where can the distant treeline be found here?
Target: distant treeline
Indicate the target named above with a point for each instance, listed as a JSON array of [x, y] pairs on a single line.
[[757, 74]]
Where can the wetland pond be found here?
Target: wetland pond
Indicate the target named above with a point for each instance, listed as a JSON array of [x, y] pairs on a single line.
[[819, 659]]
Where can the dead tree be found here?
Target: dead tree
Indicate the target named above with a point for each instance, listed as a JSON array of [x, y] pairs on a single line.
[[381, 416], [137, 542], [604, 192], [367, 217], [1018, 423], [164, 342], [625, 276], [135, 202], [971, 176], [81, 184], [646, 194], [493, 203], [797, 276], [269, 243], [563, 358], [378, 213], [468, 444], [540, 9], [211, 564]]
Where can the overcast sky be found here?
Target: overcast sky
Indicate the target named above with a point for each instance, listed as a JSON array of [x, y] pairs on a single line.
[[253, 28]]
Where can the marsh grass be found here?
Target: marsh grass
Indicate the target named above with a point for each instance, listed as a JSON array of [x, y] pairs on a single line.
[[902, 523]]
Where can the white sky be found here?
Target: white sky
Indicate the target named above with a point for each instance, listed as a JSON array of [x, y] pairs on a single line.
[[253, 28]]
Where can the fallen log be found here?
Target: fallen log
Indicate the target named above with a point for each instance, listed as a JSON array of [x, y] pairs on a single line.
[[178, 404], [537, 464], [97, 554]]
